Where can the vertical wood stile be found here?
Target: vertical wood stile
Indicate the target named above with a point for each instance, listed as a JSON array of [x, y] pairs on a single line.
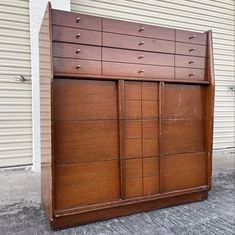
[[142, 141], [210, 107], [160, 140], [121, 137]]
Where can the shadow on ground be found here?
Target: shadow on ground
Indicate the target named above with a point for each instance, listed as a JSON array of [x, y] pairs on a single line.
[[21, 212]]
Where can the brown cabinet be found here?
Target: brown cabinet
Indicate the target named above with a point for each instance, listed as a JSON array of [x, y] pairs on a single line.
[[126, 117]]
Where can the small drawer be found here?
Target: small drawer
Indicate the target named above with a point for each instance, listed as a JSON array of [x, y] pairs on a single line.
[[190, 62], [72, 66], [137, 70], [137, 57], [191, 37], [137, 29], [189, 74], [64, 34], [76, 51], [190, 49], [138, 43], [76, 20]]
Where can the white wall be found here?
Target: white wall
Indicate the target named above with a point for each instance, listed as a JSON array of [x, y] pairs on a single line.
[[36, 9]]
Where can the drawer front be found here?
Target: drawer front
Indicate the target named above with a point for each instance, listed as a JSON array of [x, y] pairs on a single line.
[[88, 67], [63, 34], [191, 37], [137, 29], [76, 20], [128, 56], [76, 51], [136, 70], [190, 62], [137, 43], [189, 74], [190, 49]]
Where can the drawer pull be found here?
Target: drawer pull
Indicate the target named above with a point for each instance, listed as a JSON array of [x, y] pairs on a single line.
[[78, 35], [141, 29], [78, 66], [77, 20], [192, 37], [140, 56], [192, 49], [191, 62], [141, 43], [192, 74], [77, 51], [141, 71]]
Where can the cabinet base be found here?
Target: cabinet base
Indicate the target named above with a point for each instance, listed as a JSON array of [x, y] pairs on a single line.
[[108, 213]]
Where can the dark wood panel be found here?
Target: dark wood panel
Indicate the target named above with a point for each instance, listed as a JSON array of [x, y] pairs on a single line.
[[76, 51], [132, 109], [82, 36], [182, 136], [84, 99], [189, 74], [132, 90], [151, 174], [190, 62], [85, 141], [150, 91], [183, 171], [138, 43], [132, 129], [77, 66], [150, 148], [86, 183], [150, 185], [149, 109], [133, 188], [151, 167], [150, 128], [133, 168], [133, 148], [137, 57], [137, 70], [137, 29], [76, 20], [184, 101], [190, 49], [191, 37]]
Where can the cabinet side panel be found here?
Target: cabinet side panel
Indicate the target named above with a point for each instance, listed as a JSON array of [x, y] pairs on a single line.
[[210, 106], [46, 75]]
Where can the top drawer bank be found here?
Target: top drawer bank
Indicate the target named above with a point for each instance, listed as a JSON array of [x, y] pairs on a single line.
[[80, 32]]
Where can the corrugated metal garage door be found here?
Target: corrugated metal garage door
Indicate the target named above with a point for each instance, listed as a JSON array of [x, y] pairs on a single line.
[[217, 15], [15, 97]]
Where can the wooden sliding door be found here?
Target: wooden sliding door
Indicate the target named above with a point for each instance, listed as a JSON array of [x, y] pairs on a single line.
[[86, 142], [183, 161]]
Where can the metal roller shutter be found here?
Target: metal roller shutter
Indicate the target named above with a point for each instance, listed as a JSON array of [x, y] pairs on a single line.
[[217, 15], [15, 97]]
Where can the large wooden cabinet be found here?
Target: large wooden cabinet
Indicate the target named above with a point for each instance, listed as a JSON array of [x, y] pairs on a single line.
[[126, 117]]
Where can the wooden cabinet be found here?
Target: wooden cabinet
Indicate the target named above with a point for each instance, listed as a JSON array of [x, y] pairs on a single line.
[[126, 117]]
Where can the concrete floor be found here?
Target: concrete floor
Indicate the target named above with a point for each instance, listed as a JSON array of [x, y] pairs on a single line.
[[21, 211]]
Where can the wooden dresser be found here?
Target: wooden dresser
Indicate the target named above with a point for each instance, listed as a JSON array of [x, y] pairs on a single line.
[[126, 117]]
